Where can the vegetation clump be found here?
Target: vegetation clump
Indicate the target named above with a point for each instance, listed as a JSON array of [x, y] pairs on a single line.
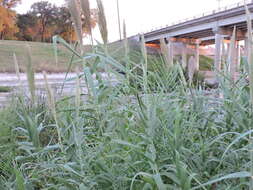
[[158, 135], [5, 89]]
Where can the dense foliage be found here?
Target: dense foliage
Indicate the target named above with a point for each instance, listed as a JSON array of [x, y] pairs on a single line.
[[145, 126], [121, 137], [41, 22], [8, 26]]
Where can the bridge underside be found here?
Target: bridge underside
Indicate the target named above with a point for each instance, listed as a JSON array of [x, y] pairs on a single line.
[[214, 29], [207, 37]]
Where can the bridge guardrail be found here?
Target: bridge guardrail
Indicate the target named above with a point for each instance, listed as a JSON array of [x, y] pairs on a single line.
[[208, 13]]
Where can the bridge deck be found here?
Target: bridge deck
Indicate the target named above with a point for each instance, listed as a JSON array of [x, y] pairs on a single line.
[[201, 28]]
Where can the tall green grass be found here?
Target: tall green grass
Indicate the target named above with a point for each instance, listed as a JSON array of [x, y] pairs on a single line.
[[149, 130]]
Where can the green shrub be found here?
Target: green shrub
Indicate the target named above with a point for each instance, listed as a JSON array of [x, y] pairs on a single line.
[[172, 137], [5, 89]]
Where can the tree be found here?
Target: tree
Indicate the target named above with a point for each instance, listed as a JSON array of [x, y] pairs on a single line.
[[9, 3], [28, 27], [46, 14], [45, 20], [8, 19], [65, 24]]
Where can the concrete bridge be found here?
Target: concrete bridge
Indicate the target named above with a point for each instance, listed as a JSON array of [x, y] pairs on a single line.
[[215, 27]]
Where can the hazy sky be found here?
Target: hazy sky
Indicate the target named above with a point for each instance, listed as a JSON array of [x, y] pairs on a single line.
[[142, 15]]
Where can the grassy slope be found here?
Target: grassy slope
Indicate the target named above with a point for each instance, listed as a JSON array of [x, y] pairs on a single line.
[[42, 55], [206, 63]]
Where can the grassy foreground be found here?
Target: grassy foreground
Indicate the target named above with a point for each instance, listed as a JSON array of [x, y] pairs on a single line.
[[150, 131]]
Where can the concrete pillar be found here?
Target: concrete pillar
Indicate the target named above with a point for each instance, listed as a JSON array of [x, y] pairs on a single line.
[[184, 55], [246, 53], [238, 56], [223, 54], [197, 56], [246, 45], [234, 61], [218, 44], [170, 49], [191, 68], [228, 47]]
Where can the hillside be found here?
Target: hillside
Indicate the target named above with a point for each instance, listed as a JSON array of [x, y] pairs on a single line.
[[42, 56]]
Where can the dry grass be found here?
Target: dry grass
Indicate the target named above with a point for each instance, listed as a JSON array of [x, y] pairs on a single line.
[[17, 68], [75, 12], [85, 5], [30, 74], [52, 105], [102, 22], [249, 50]]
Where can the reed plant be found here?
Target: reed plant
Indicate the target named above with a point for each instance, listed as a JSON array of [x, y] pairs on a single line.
[[75, 10], [52, 106], [85, 5], [17, 69], [250, 73], [165, 53], [30, 75], [249, 51], [102, 23]]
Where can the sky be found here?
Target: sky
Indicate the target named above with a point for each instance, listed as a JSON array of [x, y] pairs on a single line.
[[143, 15]]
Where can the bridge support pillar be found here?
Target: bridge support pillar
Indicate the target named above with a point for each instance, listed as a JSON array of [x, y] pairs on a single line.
[[170, 49], [246, 46], [218, 57], [223, 51], [197, 56], [184, 55], [234, 60], [238, 56]]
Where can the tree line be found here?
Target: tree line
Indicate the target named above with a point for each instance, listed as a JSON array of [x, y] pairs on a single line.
[[41, 22]]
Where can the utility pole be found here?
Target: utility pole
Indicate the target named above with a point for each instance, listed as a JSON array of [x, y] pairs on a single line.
[[219, 4], [119, 20]]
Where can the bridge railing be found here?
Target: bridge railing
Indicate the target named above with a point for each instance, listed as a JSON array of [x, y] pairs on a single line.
[[208, 13]]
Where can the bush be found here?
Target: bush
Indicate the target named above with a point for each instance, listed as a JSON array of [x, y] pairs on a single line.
[[5, 89], [165, 136]]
